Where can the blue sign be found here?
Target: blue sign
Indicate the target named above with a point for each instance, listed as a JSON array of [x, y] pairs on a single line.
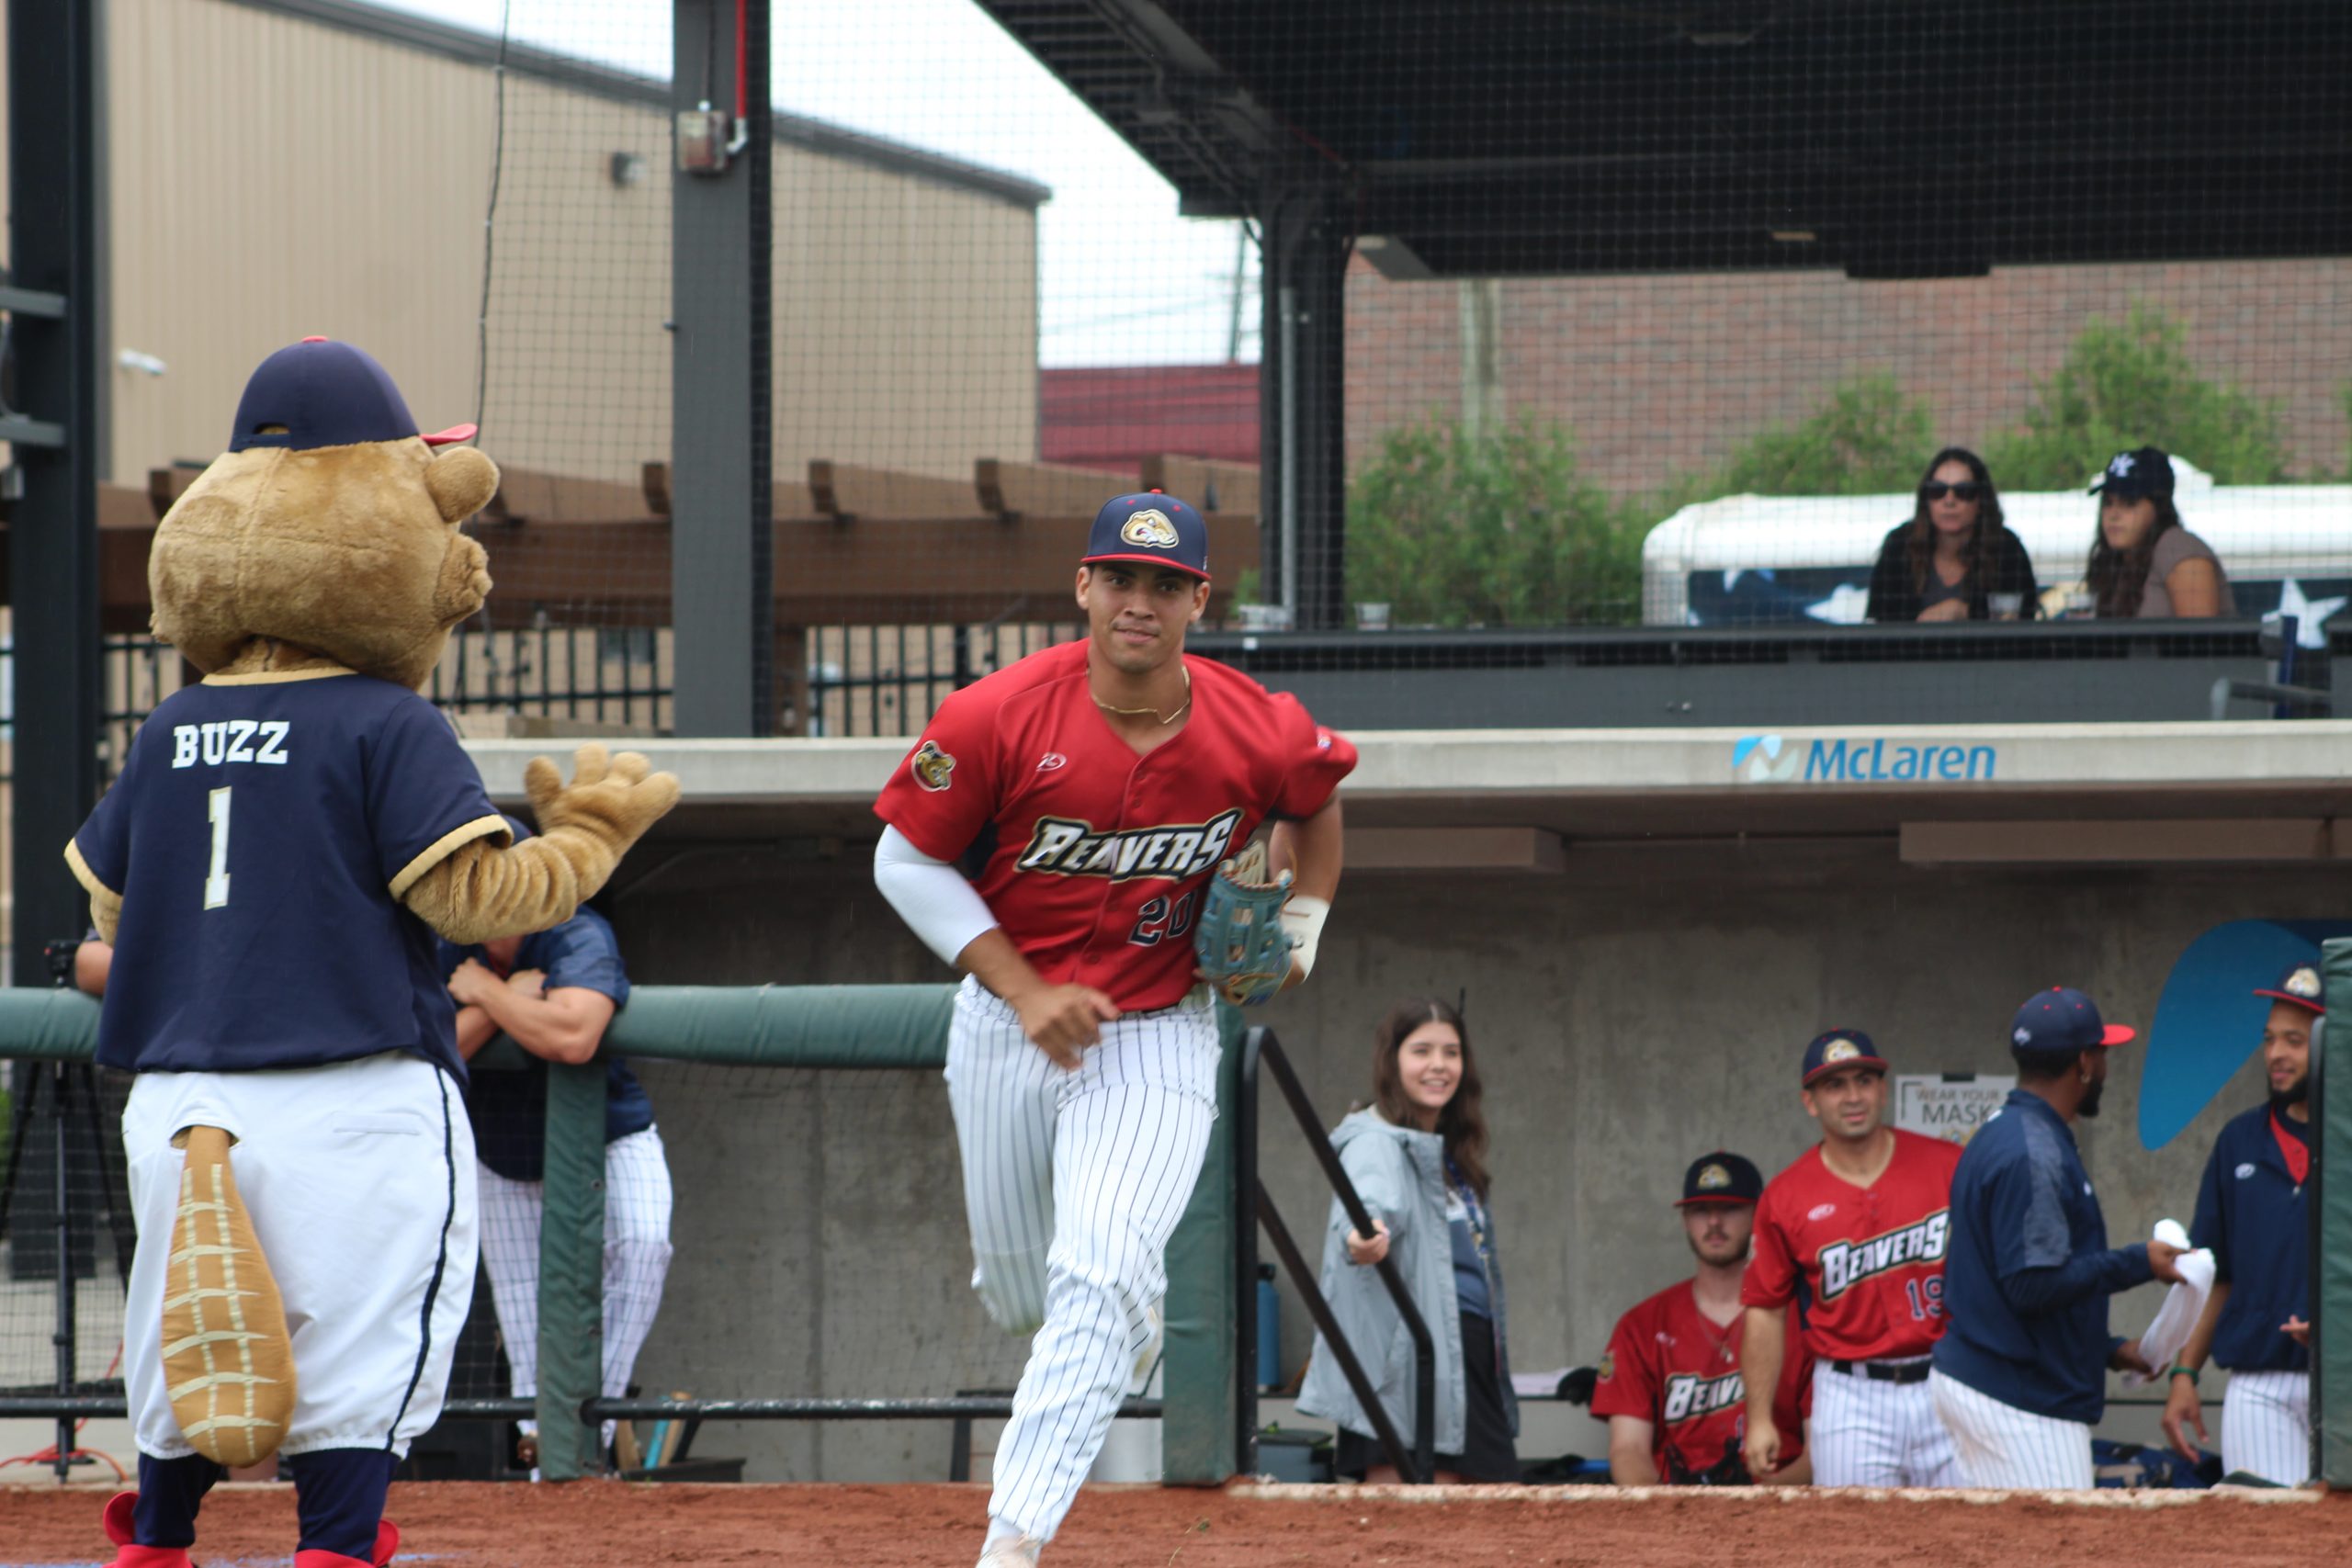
[[2208, 1020]]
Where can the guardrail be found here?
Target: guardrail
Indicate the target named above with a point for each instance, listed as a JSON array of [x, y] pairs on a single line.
[[1261, 1049]]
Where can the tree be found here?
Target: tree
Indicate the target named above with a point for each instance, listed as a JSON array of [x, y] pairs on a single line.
[[1496, 528], [1868, 439], [2134, 384]]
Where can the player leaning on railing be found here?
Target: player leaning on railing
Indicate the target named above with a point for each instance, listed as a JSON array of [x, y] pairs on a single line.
[[1100, 785]]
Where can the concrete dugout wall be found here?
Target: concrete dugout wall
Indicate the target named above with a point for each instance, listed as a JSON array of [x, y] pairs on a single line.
[[1627, 1018]]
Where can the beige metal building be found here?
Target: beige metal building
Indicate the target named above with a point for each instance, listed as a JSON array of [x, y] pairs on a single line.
[[280, 168]]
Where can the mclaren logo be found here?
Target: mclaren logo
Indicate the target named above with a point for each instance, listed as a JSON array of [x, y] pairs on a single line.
[[1151, 529], [931, 766]]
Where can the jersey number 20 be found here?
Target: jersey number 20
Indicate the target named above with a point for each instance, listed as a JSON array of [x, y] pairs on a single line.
[[1159, 922]]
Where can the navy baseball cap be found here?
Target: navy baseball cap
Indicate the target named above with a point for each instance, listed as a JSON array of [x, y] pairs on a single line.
[[320, 392], [1720, 1177], [1839, 1051], [2299, 985], [1151, 529], [2063, 1019], [2142, 471]]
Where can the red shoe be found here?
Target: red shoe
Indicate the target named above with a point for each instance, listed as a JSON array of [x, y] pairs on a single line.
[[388, 1541], [129, 1553]]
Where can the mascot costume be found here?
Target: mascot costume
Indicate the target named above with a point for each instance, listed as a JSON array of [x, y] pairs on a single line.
[[273, 863]]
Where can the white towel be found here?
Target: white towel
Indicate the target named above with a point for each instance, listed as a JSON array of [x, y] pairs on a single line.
[[2183, 1305]]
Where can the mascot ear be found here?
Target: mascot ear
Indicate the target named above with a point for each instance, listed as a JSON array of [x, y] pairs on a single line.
[[461, 480]]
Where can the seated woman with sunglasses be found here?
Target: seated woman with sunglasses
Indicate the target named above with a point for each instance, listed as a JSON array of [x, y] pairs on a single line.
[[1953, 560]]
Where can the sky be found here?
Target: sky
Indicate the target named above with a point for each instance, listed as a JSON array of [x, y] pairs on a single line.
[[1122, 280]]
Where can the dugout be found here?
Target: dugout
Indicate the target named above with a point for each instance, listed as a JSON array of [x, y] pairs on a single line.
[[1647, 930]]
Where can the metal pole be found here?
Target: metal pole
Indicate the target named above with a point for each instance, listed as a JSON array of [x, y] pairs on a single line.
[[1288, 318], [53, 299], [722, 571], [64, 1338]]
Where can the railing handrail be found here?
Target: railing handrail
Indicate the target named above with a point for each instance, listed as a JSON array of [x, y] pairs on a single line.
[[1261, 1047]]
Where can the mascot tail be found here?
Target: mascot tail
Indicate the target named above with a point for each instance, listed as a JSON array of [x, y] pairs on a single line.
[[227, 1361]]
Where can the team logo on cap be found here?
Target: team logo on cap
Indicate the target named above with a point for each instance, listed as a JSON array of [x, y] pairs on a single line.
[[1840, 1051], [2123, 465], [1151, 529], [1714, 1176], [2021, 1036], [2303, 982], [931, 766]]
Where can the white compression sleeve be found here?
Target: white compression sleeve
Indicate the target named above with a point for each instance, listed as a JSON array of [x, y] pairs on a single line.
[[930, 895]]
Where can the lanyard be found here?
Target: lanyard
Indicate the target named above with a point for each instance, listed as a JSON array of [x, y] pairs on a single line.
[[2297, 1153], [1470, 1206]]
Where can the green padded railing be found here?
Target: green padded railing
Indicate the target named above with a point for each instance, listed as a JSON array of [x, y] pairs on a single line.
[[774, 1026]]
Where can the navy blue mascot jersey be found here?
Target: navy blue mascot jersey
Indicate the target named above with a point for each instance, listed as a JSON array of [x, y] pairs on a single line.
[[260, 816]]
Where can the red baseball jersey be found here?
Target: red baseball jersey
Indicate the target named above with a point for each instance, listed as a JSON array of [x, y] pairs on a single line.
[[1871, 1258], [1096, 858], [1668, 1365]]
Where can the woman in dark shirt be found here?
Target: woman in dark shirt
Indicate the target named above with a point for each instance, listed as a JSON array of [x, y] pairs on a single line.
[[1953, 560]]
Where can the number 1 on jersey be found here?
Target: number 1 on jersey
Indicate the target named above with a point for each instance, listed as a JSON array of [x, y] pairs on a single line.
[[216, 881]]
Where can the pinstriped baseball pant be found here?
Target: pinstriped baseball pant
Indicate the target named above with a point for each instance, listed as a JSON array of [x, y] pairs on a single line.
[[637, 1260], [2267, 1426], [1073, 1182], [1868, 1432], [2002, 1446]]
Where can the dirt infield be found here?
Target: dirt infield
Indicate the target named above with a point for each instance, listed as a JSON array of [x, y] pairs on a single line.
[[596, 1524]]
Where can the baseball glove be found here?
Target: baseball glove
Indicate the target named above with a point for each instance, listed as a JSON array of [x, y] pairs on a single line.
[[1243, 949]]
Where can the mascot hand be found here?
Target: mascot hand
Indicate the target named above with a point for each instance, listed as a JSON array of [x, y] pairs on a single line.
[[483, 891], [611, 802]]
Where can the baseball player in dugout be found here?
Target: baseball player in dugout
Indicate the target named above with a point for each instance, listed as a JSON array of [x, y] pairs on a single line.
[[2021, 1377], [1093, 791], [1669, 1385], [554, 993], [1858, 1224], [2251, 1210]]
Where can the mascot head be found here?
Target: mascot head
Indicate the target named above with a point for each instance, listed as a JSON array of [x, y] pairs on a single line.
[[330, 524]]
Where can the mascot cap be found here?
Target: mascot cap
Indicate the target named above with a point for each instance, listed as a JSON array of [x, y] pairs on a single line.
[[326, 394]]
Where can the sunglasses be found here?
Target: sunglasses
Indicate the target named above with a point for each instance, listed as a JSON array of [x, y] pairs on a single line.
[[1936, 490]]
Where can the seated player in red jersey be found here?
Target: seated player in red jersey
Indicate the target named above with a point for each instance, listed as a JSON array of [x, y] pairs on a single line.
[[1670, 1385], [1858, 1225]]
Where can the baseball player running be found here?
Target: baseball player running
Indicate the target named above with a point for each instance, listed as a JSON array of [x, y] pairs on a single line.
[[1670, 1383], [1859, 1223], [1095, 786], [2020, 1376], [2251, 1212]]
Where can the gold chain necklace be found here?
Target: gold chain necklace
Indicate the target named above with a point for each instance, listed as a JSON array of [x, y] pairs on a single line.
[[1138, 713]]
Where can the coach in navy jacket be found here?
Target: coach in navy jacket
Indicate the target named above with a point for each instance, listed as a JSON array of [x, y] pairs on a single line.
[[2020, 1373]]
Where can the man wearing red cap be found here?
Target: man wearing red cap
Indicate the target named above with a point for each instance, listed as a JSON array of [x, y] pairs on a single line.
[[2253, 1211]]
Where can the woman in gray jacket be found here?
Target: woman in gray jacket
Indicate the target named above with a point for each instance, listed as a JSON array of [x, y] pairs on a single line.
[[1417, 1156]]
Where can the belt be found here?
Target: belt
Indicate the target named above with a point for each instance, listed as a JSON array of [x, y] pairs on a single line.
[[1886, 1372]]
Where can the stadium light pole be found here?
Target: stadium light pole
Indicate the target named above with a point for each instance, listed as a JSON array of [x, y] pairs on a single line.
[[49, 412], [722, 564]]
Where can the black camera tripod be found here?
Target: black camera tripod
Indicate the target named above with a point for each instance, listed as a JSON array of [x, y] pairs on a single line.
[[68, 1083]]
